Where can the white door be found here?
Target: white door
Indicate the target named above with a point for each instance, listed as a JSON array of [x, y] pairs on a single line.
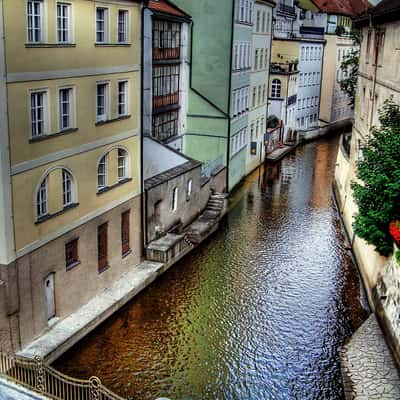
[[49, 294]]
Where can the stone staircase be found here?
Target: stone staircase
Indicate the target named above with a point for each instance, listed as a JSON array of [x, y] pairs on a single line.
[[215, 206]]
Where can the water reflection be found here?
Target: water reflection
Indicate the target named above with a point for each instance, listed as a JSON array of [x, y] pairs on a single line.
[[258, 312]]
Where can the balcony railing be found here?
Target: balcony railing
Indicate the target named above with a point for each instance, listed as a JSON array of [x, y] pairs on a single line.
[[166, 54], [166, 100], [284, 8], [43, 379]]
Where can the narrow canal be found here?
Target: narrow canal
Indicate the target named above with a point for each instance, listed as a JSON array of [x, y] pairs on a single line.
[[257, 312]]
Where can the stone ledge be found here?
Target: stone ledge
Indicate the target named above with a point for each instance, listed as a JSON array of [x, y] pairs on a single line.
[[63, 335]]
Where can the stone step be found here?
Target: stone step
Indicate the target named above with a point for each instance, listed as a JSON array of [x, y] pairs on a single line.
[[211, 214], [215, 203]]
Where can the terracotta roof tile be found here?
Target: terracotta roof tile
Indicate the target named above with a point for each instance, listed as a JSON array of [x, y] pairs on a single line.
[[165, 7], [350, 8]]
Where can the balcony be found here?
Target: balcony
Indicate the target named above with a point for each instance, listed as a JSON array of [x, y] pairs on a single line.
[[166, 100], [166, 53], [287, 10]]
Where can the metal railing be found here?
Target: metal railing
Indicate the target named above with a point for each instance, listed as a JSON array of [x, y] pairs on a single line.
[[41, 378]]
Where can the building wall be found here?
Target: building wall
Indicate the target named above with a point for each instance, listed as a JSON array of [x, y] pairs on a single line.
[[188, 207], [40, 242], [309, 90], [368, 102]]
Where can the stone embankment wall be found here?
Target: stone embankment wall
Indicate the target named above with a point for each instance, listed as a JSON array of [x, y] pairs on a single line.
[[387, 299]]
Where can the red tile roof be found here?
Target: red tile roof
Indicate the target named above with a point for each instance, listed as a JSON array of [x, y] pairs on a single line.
[[165, 7], [350, 8]]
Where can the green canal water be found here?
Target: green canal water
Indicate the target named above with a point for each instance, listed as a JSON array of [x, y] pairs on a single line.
[[259, 311]]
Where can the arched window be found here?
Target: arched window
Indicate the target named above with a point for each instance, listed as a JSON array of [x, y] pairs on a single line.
[[122, 164], [189, 189], [67, 188], [276, 88], [41, 199], [175, 199], [102, 173]]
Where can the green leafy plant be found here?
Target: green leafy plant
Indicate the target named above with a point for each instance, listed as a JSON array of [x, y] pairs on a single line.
[[398, 256], [350, 66], [377, 195], [272, 121]]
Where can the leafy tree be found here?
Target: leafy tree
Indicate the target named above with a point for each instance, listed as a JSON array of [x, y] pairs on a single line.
[[350, 67], [378, 194], [272, 121]]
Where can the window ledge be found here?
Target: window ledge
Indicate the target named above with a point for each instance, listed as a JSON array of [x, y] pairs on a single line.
[[108, 121], [72, 265], [56, 214], [52, 135], [49, 45], [127, 253], [113, 44], [101, 270], [108, 188]]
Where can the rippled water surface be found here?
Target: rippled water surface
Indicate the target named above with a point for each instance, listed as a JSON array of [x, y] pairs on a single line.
[[257, 312]]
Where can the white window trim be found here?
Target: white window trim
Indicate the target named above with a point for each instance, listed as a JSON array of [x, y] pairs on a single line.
[[128, 26], [107, 102], [100, 188], [71, 27], [127, 98], [72, 187], [47, 119], [41, 215], [107, 29], [127, 165], [43, 24], [175, 199], [73, 107]]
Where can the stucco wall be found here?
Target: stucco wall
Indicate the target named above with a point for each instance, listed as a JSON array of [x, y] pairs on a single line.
[[186, 210], [77, 286]]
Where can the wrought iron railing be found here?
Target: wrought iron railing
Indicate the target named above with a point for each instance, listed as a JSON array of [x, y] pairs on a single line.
[[284, 8], [41, 378]]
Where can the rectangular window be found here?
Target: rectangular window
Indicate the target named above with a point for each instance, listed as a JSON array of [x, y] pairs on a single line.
[[102, 102], [256, 60], [65, 108], [71, 254], [67, 188], [102, 247], [166, 40], [35, 21], [165, 85], [101, 25], [165, 125], [122, 164], [122, 26], [41, 201], [102, 173], [175, 194], [125, 232], [63, 23], [261, 58], [122, 98], [38, 113]]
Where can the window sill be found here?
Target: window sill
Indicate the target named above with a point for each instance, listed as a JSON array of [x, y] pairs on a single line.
[[101, 270], [109, 121], [49, 45], [113, 44], [52, 135], [51, 216], [126, 254], [72, 265], [108, 188]]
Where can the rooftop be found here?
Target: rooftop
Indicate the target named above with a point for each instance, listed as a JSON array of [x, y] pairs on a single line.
[[350, 8], [166, 7]]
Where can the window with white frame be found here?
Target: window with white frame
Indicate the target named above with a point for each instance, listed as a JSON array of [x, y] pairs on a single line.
[[38, 113], [122, 26], [189, 189], [101, 25], [65, 98], [122, 165], [175, 194], [256, 59], [261, 58], [276, 88], [35, 21], [102, 173], [67, 188], [63, 23], [258, 21], [102, 102], [41, 200], [122, 98]]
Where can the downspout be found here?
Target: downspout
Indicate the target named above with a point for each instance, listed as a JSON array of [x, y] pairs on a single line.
[[376, 52], [142, 191], [228, 144]]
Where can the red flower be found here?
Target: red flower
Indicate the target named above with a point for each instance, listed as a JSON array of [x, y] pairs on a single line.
[[395, 231]]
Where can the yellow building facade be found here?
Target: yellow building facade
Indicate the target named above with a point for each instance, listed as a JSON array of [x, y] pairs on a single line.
[[378, 80], [70, 203]]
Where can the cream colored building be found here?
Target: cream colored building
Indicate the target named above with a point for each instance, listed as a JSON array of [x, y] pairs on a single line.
[[70, 175], [378, 80]]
